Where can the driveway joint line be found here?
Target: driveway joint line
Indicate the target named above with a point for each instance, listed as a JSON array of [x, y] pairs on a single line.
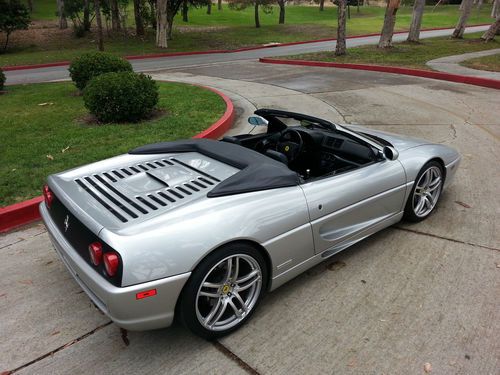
[[446, 238], [62, 347], [229, 354]]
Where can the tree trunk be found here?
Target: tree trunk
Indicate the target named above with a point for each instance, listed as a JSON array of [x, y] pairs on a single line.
[[63, 23], [139, 23], [161, 23], [7, 36], [321, 5], [492, 31], [219, 4], [170, 23], [86, 15], [185, 11], [416, 21], [340, 48], [98, 20], [281, 4], [209, 7], [389, 22], [458, 33], [115, 15], [30, 5], [257, 21], [495, 10]]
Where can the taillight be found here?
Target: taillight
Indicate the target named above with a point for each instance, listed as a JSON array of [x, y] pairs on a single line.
[[111, 263], [48, 195], [95, 252]]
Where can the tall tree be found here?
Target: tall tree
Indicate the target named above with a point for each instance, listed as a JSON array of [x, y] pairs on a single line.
[[209, 7], [466, 8], [86, 15], [281, 4], [139, 22], [389, 22], [321, 5], [256, 14], [185, 9], [161, 23], [63, 22], [242, 4], [340, 48], [416, 21], [115, 15], [492, 30], [98, 20], [219, 4], [495, 9]]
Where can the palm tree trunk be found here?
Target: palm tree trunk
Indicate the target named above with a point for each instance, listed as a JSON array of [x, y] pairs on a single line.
[[100, 38], [416, 21], [257, 21], [466, 6], [161, 23], [340, 48], [492, 31], [389, 22]]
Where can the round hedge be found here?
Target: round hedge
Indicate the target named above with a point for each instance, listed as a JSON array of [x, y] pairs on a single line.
[[93, 64], [2, 79], [121, 97]]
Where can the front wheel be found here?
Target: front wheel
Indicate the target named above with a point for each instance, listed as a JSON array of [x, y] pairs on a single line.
[[223, 291], [425, 193]]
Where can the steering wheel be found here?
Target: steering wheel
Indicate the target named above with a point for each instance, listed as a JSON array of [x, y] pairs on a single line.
[[290, 143]]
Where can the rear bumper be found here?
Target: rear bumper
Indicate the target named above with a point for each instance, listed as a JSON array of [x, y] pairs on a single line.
[[119, 304]]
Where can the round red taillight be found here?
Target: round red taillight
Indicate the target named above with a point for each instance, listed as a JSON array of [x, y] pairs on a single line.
[[95, 252], [48, 196], [111, 263]]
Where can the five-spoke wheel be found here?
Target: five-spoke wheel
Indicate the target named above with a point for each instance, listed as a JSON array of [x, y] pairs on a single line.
[[425, 193], [223, 290]]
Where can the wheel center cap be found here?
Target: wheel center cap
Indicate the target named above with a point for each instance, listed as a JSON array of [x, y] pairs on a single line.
[[226, 289]]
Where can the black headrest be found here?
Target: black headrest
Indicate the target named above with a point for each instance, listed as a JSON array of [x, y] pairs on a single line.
[[277, 156]]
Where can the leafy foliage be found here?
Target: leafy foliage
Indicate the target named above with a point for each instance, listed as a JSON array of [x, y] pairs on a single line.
[[13, 16], [92, 64], [2, 79], [121, 97]]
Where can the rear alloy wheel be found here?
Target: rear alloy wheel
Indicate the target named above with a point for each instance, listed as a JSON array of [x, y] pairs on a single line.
[[223, 291], [425, 193]]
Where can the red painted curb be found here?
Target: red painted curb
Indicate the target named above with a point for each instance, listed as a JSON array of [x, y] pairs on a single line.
[[173, 54], [23, 213], [476, 81]]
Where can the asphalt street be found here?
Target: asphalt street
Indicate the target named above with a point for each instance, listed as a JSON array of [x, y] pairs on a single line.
[[411, 295], [155, 64]]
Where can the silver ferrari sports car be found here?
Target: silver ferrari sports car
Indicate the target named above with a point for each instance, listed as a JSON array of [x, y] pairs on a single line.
[[200, 229]]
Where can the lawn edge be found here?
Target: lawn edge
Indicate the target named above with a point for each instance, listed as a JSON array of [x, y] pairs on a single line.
[[22, 213], [470, 80], [218, 51]]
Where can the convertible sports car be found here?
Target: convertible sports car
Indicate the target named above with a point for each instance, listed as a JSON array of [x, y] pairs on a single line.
[[201, 229]]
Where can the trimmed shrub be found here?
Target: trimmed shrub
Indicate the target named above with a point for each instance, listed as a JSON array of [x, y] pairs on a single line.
[[121, 97], [2, 79], [93, 64]]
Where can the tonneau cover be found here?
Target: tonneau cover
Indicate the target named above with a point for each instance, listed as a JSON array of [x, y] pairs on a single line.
[[257, 171]]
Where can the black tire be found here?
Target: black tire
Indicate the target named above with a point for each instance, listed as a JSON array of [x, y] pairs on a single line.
[[189, 308], [410, 213]]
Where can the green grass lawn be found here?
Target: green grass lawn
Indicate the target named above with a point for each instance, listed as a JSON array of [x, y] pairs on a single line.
[[490, 63], [406, 54], [226, 29], [30, 132]]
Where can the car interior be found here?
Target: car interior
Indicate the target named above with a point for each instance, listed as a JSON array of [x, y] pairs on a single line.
[[310, 146]]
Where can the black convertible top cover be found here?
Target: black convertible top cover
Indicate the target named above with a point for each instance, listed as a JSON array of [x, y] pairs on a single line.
[[257, 171]]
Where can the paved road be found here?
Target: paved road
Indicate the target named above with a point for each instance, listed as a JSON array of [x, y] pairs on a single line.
[[451, 64], [55, 73], [412, 294]]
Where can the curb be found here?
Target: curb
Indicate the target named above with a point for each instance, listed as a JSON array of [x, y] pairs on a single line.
[[26, 212], [244, 49], [476, 81]]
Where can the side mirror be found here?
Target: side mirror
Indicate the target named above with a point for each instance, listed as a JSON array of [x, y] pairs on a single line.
[[257, 121], [390, 153]]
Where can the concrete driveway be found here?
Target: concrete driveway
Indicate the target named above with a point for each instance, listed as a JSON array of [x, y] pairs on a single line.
[[410, 295]]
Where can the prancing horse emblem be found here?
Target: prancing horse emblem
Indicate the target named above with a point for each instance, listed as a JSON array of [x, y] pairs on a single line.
[[66, 223]]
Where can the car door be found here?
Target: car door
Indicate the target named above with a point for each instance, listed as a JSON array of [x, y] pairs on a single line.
[[347, 207]]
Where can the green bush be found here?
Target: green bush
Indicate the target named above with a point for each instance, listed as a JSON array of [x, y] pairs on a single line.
[[90, 65], [2, 79], [121, 97]]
